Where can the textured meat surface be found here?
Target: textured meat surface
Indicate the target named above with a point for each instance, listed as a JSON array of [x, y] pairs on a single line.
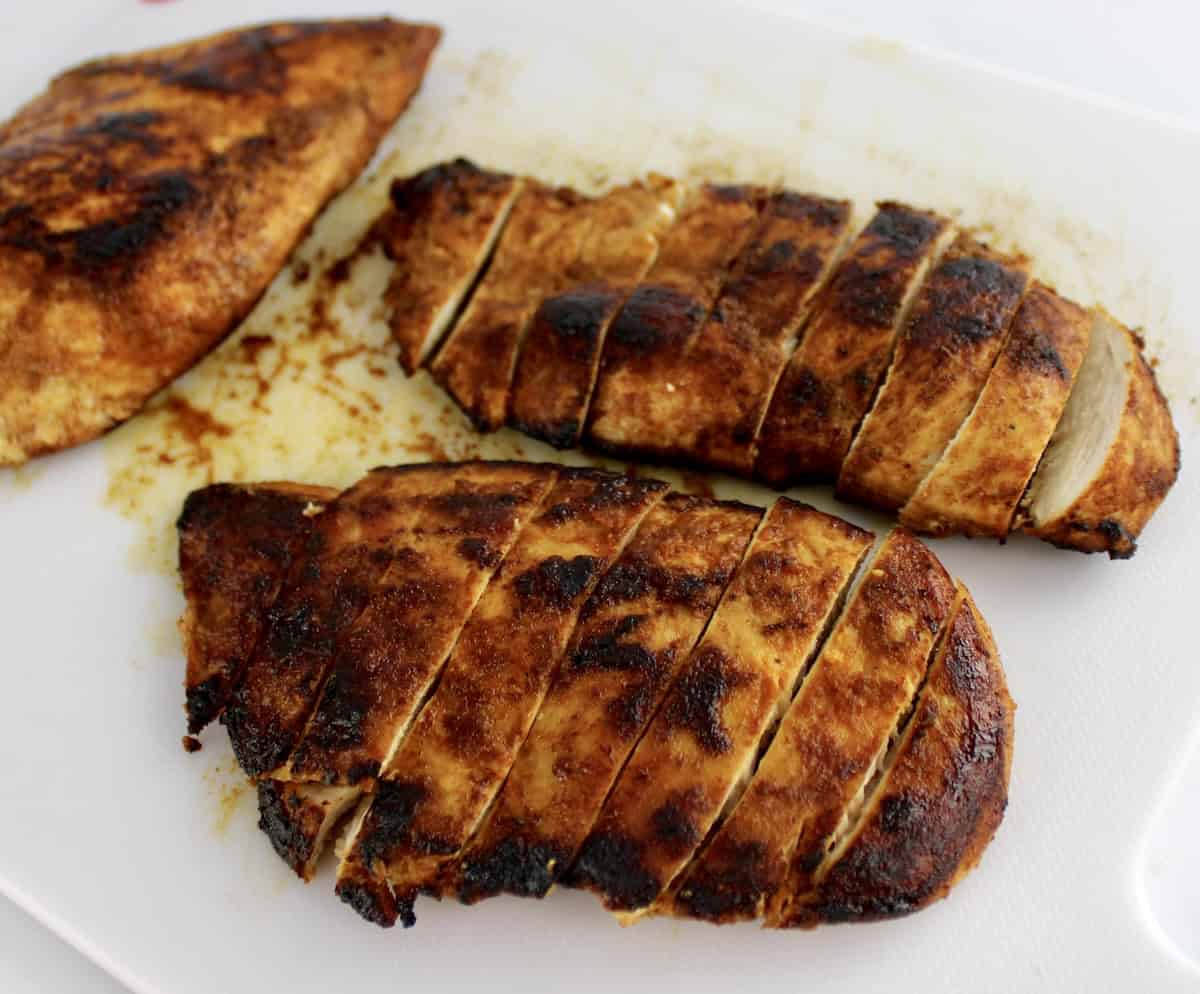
[[298, 818], [662, 316], [543, 236], [442, 225], [714, 392], [557, 367], [703, 742], [941, 802], [833, 374], [236, 544], [447, 533], [147, 200], [437, 787], [975, 487], [832, 736], [634, 634], [941, 361]]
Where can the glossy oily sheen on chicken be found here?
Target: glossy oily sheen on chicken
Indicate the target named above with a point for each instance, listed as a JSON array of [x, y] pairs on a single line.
[[495, 678], [752, 330]]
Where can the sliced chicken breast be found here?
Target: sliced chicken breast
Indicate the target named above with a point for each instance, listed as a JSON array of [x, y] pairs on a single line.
[[634, 634], [701, 747], [831, 378], [440, 233], [1113, 456], [831, 740], [941, 361], [975, 487], [446, 538], [299, 819], [436, 788], [557, 367]]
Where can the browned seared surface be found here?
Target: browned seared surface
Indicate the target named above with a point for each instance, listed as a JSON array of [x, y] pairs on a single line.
[[147, 200], [448, 531], [542, 238], [718, 386], [975, 487], [831, 739], [437, 787], [831, 378], [236, 544], [942, 359], [502, 709], [658, 322], [934, 812], [634, 634], [557, 367], [701, 746], [442, 226]]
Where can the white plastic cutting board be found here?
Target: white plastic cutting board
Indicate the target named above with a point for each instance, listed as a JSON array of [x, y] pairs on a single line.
[[148, 858]]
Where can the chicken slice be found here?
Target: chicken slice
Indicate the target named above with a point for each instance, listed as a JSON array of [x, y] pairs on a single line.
[[556, 370], [299, 818], [715, 392], [938, 802], [543, 236], [662, 316], [701, 747], [329, 584], [975, 487], [832, 376], [147, 200], [634, 634], [1113, 456], [832, 737], [440, 231], [435, 790], [236, 544], [942, 359], [445, 541]]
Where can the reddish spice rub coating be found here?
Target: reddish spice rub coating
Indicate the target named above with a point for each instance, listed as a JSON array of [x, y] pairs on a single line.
[[448, 533], [701, 746], [236, 544], [634, 634], [937, 807], [832, 376], [437, 787]]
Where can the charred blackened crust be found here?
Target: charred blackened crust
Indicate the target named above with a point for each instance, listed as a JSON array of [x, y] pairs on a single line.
[[149, 199], [297, 819], [236, 543], [933, 814]]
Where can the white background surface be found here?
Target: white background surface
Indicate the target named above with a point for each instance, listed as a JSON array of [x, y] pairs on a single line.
[[1141, 53]]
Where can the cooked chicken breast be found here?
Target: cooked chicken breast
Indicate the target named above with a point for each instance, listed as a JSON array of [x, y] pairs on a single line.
[[556, 370], [662, 317], [941, 362], [446, 536], [440, 234], [149, 199], [236, 544], [1113, 456], [701, 747], [938, 802], [543, 237], [689, 643], [435, 790], [901, 383], [831, 740], [975, 487], [831, 378], [633, 636]]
